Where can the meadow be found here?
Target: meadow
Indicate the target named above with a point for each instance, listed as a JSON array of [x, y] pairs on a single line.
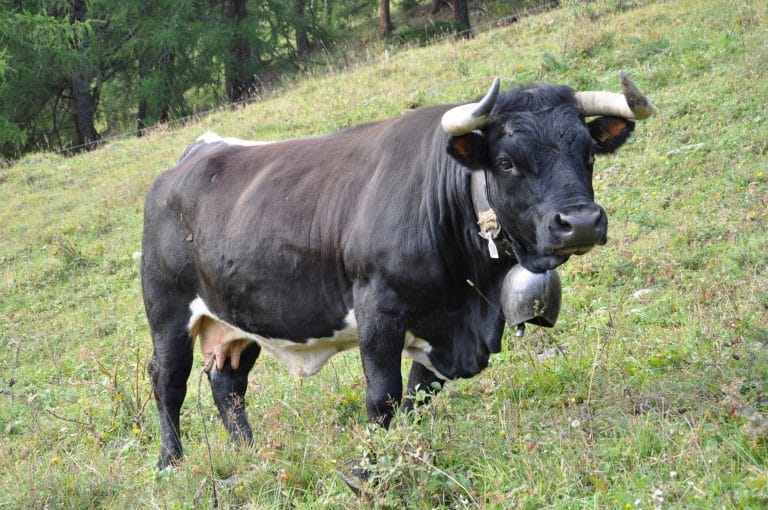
[[651, 392]]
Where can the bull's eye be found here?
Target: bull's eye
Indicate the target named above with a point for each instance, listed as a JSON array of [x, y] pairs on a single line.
[[507, 166]]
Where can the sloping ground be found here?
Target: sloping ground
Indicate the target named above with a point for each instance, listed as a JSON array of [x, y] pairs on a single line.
[[651, 391]]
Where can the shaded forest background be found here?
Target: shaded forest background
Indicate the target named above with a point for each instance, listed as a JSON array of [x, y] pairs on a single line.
[[73, 72]]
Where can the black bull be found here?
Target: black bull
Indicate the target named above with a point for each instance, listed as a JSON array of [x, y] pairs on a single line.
[[367, 237]]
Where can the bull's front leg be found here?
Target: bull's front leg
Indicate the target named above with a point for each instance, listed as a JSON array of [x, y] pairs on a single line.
[[382, 335], [422, 378], [381, 329]]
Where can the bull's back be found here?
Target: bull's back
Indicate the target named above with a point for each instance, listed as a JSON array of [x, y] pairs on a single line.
[[259, 229]]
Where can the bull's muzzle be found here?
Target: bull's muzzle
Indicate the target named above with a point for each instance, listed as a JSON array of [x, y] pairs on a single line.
[[575, 231]]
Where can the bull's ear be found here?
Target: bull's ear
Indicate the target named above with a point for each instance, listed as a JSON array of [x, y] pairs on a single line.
[[469, 149], [610, 133]]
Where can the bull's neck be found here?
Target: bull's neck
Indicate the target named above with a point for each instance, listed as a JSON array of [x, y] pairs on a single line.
[[458, 233]]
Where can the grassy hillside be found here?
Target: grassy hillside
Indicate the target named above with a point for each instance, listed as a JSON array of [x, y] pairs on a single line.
[[656, 394]]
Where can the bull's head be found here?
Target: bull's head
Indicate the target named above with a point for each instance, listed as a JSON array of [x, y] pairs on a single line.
[[537, 151]]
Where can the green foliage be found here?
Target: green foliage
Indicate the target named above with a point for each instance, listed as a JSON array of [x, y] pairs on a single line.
[[31, 39], [149, 62], [650, 392]]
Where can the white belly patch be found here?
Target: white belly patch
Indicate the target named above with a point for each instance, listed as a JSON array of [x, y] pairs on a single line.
[[220, 341]]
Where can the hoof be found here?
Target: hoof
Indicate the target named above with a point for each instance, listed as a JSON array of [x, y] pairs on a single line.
[[168, 460]]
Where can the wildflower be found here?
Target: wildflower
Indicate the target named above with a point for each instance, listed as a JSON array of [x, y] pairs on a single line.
[[502, 433], [575, 423], [136, 431], [55, 460], [658, 496]]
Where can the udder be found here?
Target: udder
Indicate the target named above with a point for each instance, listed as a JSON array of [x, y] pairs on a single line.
[[219, 341]]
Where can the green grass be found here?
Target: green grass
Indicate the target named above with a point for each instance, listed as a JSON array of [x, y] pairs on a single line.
[[660, 398]]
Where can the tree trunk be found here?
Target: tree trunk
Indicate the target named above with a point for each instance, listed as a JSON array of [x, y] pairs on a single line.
[[385, 20], [436, 6], [141, 117], [302, 39], [170, 94], [82, 96], [238, 78], [461, 17], [87, 136]]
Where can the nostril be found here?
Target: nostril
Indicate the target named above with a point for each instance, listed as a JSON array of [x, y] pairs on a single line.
[[563, 224], [598, 217]]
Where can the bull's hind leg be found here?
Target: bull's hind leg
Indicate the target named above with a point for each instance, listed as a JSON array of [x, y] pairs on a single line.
[[169, 370], [166, 301], [228, 386]]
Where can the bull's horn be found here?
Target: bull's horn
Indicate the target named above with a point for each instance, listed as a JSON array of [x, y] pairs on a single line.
[[463, 119], [632, 105]]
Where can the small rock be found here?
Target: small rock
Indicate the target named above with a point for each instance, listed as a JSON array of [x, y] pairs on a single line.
[[551, 352], [642, 294], [685, 148]]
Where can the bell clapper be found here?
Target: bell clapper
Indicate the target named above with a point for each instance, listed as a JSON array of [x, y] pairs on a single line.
[[520, 330]]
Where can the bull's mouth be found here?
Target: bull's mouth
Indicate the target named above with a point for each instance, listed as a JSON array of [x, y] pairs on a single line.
[[567, 251], [542, 262], [538, 260]]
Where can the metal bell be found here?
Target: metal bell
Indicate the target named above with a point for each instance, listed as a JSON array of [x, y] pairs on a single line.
[[531, 297]]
